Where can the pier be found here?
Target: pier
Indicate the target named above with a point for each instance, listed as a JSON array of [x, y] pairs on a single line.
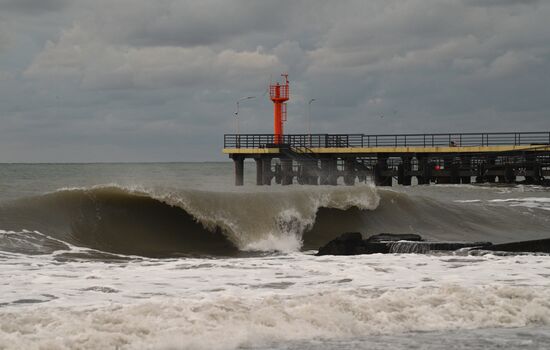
[[405, 159]]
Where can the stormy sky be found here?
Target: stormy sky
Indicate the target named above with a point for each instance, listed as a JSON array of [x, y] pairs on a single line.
[[142, 80]]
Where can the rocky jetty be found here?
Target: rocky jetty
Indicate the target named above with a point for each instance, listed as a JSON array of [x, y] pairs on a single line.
[[352, 243]]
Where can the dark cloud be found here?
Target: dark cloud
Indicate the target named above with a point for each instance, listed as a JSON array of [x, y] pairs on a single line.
[[501, 2], [148, 79], [32, 6], [188, 23]]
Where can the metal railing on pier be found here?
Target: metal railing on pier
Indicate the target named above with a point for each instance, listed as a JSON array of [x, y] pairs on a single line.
[[397, 140]]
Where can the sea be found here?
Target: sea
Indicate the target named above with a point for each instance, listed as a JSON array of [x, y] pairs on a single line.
[[174, 256]]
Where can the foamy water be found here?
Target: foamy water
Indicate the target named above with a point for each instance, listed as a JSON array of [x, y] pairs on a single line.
[[147, 261], [527, 202], [227, 303]]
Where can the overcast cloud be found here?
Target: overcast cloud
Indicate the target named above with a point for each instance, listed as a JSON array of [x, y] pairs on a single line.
[[141, 80]]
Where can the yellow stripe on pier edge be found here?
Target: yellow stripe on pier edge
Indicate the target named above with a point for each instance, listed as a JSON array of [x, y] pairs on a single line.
[[250, 151]]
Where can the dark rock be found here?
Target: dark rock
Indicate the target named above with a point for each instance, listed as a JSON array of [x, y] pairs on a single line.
[[393, 237], [352, 243], [374, 248], [349, 243]]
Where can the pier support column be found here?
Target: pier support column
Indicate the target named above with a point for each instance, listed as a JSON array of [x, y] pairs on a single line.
[[454, 168], [539, 177], [266, 171], [259, 171], [379, 178], [286, 168], [489, 166], [534, 171], [328, 174], [536, 177], [302, 173], [278, 173], [325, 172], [402, 172], [333, 172], [425, 168], [466, 166], [509, 174], [479, 170], [307, 172], [312, 173], [349, 172], [239, 171]]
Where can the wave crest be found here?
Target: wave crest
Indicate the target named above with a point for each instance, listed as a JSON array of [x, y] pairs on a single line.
[[160, 222]]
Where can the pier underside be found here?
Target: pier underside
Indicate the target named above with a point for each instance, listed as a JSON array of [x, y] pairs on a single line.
[[341, 159]]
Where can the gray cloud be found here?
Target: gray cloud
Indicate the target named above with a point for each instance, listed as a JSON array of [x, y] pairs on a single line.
[[150, 79], [32, 6], [501, 2]]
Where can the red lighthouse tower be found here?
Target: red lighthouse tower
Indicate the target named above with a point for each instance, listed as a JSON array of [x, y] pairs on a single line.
[[279, 94]]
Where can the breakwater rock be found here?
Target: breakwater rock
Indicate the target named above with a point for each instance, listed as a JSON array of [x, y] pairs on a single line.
[[352, 243]]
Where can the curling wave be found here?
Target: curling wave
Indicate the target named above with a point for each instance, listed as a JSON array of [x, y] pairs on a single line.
[[167, 223]]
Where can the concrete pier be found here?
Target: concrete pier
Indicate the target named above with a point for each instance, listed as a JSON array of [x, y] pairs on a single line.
[[432, 158]]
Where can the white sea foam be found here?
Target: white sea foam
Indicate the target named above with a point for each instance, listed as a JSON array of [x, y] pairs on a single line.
[[254, 277], [528, 202], [227, 303], [230, 322]]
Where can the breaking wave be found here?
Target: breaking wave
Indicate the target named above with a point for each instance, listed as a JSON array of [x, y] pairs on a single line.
[[169, 223]]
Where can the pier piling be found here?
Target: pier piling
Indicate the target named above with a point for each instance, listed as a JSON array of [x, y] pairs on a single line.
[[239, 171], [287, 172], [266, 173]]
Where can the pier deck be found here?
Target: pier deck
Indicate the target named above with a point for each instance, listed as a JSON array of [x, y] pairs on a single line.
[[429, 158]]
